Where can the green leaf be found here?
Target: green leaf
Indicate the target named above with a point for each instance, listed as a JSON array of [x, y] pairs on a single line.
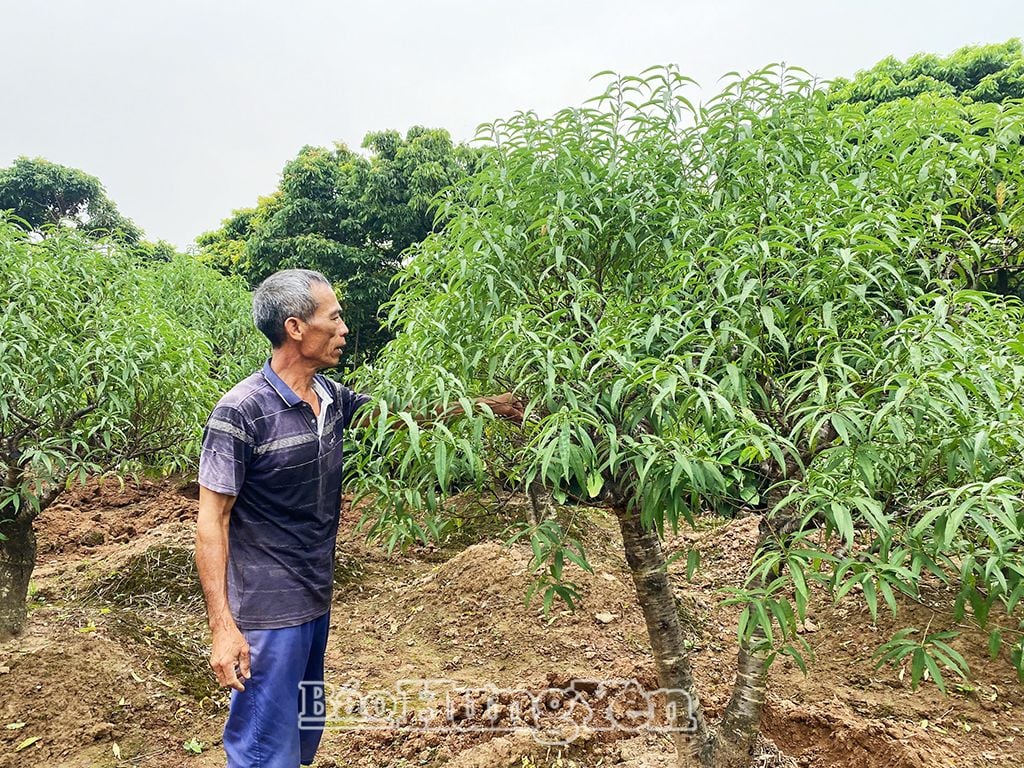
[[949, 655], [917, 666], [870, 597], [750, 495], [764, 621], [843, 522], [743, 624], [935, 672], [890, 597], [441, 465], [995, 643], [579, 559], [800, 587], [27, 743], [692, 564]]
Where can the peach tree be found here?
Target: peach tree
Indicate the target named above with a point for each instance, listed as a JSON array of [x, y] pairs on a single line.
[[759, 304], [106, 365]]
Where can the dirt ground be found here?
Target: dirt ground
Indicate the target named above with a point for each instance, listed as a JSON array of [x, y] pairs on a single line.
[[111, 668]]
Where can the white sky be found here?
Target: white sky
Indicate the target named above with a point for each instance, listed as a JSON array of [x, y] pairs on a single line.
[[188, 109]]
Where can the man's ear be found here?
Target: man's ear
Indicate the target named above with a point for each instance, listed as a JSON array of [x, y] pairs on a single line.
[[293, 327]]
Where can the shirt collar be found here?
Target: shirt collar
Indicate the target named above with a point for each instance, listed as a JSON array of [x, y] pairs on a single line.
[[285, 392], [282, 389]]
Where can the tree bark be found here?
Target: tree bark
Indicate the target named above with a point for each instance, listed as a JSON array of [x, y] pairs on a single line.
[[17, 559], [742, 720], [542, 505], [646, 561], [732, 743]]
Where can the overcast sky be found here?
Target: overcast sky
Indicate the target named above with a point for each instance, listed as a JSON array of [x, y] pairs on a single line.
[[188, 109]]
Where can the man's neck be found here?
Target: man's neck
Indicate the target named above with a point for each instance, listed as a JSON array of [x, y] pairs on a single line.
[[294, 371]]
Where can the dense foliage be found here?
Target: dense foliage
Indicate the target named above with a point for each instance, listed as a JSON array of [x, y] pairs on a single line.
[[975, 73], [106, 364], [767, 303], [45, 194], [347, 215], [104, 361]]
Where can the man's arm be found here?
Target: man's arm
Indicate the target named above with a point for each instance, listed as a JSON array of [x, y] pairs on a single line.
[[506, 406], [229, 653]]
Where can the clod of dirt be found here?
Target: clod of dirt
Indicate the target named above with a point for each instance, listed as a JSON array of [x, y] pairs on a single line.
[[189, 489], [92, 538]]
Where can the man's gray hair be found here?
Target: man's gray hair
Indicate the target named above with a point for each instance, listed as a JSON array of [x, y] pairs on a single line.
[[288, 293]]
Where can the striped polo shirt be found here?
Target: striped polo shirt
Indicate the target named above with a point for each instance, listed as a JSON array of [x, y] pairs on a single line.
[[263, 445]]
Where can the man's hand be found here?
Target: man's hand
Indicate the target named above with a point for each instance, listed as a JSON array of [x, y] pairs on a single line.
[[229, 652], [506, 405], [229, 657]]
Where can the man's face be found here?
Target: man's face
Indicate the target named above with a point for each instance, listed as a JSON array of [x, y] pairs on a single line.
[[324, 333]]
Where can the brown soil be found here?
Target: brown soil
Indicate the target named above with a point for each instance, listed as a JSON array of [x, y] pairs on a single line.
[[111, 669]]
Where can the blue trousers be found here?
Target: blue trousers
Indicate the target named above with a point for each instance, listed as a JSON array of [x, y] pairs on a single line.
[[287, 668]]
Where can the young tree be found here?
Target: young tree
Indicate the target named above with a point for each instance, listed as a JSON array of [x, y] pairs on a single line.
[[104, 366], [766, 303], [47, 194]]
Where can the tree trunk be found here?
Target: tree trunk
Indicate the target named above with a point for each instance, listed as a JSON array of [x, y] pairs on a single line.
[[17, 559], [730, 745], [646, 561], [542, 505], [742, 720]]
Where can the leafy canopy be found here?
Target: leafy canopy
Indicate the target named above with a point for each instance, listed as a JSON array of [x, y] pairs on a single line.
[[107, 364], [765, 302], [975, 73], [347, 215], [47, 194]]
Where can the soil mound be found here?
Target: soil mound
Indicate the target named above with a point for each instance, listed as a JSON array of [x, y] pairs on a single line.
[[111, 669], [103, 515], [74, 694], [477, 599]]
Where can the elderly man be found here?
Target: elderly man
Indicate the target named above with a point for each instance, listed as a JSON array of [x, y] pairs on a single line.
[[270, 494]]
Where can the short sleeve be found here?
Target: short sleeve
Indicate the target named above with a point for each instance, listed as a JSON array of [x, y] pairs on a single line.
[[351, 402], [227, 446]]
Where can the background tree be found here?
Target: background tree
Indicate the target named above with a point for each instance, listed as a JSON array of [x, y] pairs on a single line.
[[976, 76], [161, 250], [224, 249], [404, 177], [105, 365], [347, 215], [765, 304], [47, 194], [975, 73]]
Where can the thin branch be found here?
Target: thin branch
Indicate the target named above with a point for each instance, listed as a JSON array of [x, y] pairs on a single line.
[[32, 423], [76, 415]]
